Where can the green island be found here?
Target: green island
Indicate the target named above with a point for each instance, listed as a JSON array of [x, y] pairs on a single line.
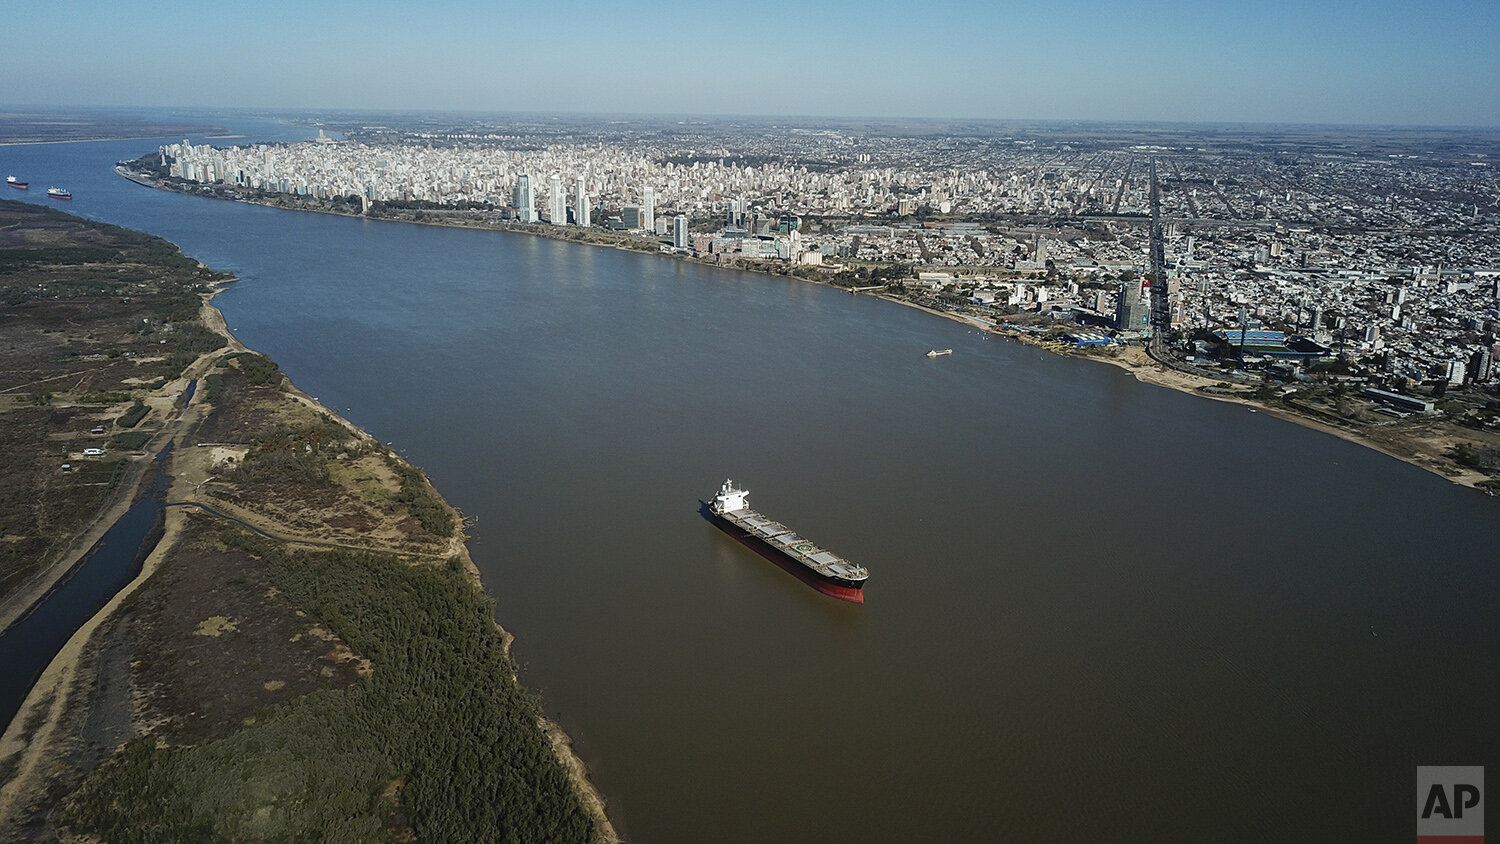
[[307, 653]]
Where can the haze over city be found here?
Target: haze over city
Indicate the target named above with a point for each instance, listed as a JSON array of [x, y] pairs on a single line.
[[370, 369], [1319, 62]]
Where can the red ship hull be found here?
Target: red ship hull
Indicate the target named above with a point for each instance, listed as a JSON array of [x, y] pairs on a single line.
[[17, 185], [853, 594]]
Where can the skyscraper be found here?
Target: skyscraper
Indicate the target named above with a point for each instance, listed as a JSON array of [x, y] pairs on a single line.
[[580, 203], [557, 209], [525, 203], [680, 232], [648, 209]]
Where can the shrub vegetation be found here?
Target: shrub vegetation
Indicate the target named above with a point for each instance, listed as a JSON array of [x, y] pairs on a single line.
[[438, 740], [419, 498], [135, 414]]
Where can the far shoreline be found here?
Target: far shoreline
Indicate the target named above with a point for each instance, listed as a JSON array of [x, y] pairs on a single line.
[[1147, 371], [98, 140]]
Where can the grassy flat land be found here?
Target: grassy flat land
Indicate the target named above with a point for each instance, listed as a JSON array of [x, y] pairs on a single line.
[[95, 320], [308, 653]]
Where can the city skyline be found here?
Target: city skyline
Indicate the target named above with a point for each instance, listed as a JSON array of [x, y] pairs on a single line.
[[1389, 64], [1318, 233]]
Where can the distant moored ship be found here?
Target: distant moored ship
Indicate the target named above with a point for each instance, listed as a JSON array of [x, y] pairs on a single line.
[[15, 183], [823, 570], [58, 193]]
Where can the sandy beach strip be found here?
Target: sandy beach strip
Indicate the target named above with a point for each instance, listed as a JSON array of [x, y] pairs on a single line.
[[31, 742]]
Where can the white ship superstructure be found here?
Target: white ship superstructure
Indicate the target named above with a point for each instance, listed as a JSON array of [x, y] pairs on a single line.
[[825, 570]]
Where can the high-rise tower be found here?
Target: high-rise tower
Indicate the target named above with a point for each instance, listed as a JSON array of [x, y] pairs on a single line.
[[557, 202], [648, 209], [525, 202], [580, 203]]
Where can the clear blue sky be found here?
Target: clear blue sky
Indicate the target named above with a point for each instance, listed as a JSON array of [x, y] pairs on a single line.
[[1319, 61]]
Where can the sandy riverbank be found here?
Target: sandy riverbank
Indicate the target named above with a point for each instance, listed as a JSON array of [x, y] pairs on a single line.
[[33, 744], [163, 400], [19, 602], [30, 743], [1426, 450]]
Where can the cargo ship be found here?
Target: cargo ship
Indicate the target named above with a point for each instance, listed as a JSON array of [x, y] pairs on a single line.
[[822, 570], [58, 193], [15, 183]]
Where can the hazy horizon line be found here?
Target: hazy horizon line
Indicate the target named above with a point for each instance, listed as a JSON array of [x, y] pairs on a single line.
[[302, 111]]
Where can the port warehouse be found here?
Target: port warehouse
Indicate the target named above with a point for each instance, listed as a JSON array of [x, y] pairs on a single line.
[[1411, 404]]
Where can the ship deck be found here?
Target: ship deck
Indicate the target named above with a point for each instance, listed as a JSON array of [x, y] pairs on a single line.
[[788, 542]]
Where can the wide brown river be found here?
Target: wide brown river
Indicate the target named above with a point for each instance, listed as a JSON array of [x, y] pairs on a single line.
[[1097, 610]]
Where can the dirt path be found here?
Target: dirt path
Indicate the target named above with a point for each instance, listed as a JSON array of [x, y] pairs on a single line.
[[32, 749], [24, 597], [176, 421], [32, 743]]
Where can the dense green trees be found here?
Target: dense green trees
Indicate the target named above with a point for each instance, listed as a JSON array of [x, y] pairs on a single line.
[[438, 738], [423, 503], [135, 414], [259, 370]]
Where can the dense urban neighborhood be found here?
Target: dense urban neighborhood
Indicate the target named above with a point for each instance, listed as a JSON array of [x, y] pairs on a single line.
[[1361, 258]]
